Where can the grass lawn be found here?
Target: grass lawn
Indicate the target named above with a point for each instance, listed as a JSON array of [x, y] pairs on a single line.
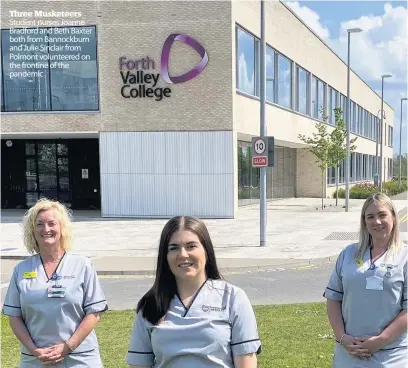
[[296, 335]]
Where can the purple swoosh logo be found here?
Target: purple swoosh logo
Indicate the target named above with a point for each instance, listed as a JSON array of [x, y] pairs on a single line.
[[166, 55]]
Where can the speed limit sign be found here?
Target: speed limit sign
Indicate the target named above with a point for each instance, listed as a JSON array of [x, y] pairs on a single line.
[[259, 151], [259, 146]]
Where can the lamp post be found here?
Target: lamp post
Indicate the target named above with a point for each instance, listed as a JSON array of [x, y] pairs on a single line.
[[347, 194], [381, 128], [262, 92], [400, 148]]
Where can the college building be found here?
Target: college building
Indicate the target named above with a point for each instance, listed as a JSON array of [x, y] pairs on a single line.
[[147, 109]]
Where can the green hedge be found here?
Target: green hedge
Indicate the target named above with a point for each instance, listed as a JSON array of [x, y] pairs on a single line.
[[391, 187], [363, 191]]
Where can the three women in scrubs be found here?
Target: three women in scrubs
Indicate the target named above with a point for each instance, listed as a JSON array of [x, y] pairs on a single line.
[[367, 293], [191, 317], [54, 298]]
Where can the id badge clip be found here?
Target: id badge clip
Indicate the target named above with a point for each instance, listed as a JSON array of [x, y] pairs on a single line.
[[374, 283]]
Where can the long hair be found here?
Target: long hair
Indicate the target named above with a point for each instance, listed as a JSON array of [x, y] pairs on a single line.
[[156, 302], [62, 214], [365, 240]]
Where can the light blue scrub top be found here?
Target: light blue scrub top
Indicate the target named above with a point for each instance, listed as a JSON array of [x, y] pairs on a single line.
[[219, 325], [369, 312], [54, 320]]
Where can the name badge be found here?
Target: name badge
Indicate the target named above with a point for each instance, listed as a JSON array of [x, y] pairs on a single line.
[[56, 291], [30, 275], [374, 283]]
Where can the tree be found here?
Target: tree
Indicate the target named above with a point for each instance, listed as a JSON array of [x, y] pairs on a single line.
[[395, 162], [319, 146], [338, 148]]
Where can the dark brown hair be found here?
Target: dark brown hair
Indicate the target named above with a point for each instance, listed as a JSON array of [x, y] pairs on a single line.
[[155, 303]]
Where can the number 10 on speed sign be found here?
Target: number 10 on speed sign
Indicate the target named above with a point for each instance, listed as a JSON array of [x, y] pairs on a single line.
[[260, 151]]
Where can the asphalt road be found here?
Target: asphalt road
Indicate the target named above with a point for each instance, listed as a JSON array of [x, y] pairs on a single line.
[[269, 286]]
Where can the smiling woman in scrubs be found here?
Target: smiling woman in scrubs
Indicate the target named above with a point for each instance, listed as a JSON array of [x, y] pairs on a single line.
[[191, 317], [54, 297], [367, 293]]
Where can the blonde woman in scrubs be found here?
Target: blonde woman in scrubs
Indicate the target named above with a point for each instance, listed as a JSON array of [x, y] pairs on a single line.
[[367, 293], [54, 298], [191, 318]]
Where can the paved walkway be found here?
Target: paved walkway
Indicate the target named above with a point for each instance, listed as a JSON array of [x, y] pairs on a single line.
[[297, 231]]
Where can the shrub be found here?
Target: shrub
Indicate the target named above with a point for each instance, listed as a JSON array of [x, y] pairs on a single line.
[[359, 191], [364, 190], [342, 193], [390, 188]]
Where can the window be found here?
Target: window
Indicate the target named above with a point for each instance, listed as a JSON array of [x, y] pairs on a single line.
[[74, 88], [358, 166], [331, 175], [365, 167], [390, 136], [342, 171], [284, 82], [333, 94], [377, 127], [321, 97], [343, 106], [270, 74], [315, 108], [385, 134], [318, 98], [302, 89], [246, 62], [390, 168], [351, 176], [353, 116]]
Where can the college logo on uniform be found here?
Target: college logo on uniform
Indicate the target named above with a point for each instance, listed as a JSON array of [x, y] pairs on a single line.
[[209, 308], [139, 77]]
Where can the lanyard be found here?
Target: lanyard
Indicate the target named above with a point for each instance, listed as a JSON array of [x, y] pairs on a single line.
[[372, 264]]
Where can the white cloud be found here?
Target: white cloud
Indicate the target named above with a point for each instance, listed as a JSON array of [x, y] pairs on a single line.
[[381, 48], [311, 18], [245, 84]]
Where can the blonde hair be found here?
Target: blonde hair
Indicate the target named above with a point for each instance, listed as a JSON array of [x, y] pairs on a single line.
[[394, 243], [62, 214]]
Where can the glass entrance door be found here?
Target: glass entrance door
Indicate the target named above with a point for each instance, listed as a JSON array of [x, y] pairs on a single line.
[[47, 172]]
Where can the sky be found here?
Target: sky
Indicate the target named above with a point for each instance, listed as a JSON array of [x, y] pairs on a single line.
[[382, 47]]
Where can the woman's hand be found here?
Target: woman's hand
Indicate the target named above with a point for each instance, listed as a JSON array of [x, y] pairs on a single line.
[[371, 343], [354, 348], [54, 354], [41, 353]]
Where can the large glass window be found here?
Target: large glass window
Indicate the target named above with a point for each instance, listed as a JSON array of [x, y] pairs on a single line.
[[76, 87], [246, 61], [284, 82], [26, 79], [34, 79], [302, 89], [270, 74]]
